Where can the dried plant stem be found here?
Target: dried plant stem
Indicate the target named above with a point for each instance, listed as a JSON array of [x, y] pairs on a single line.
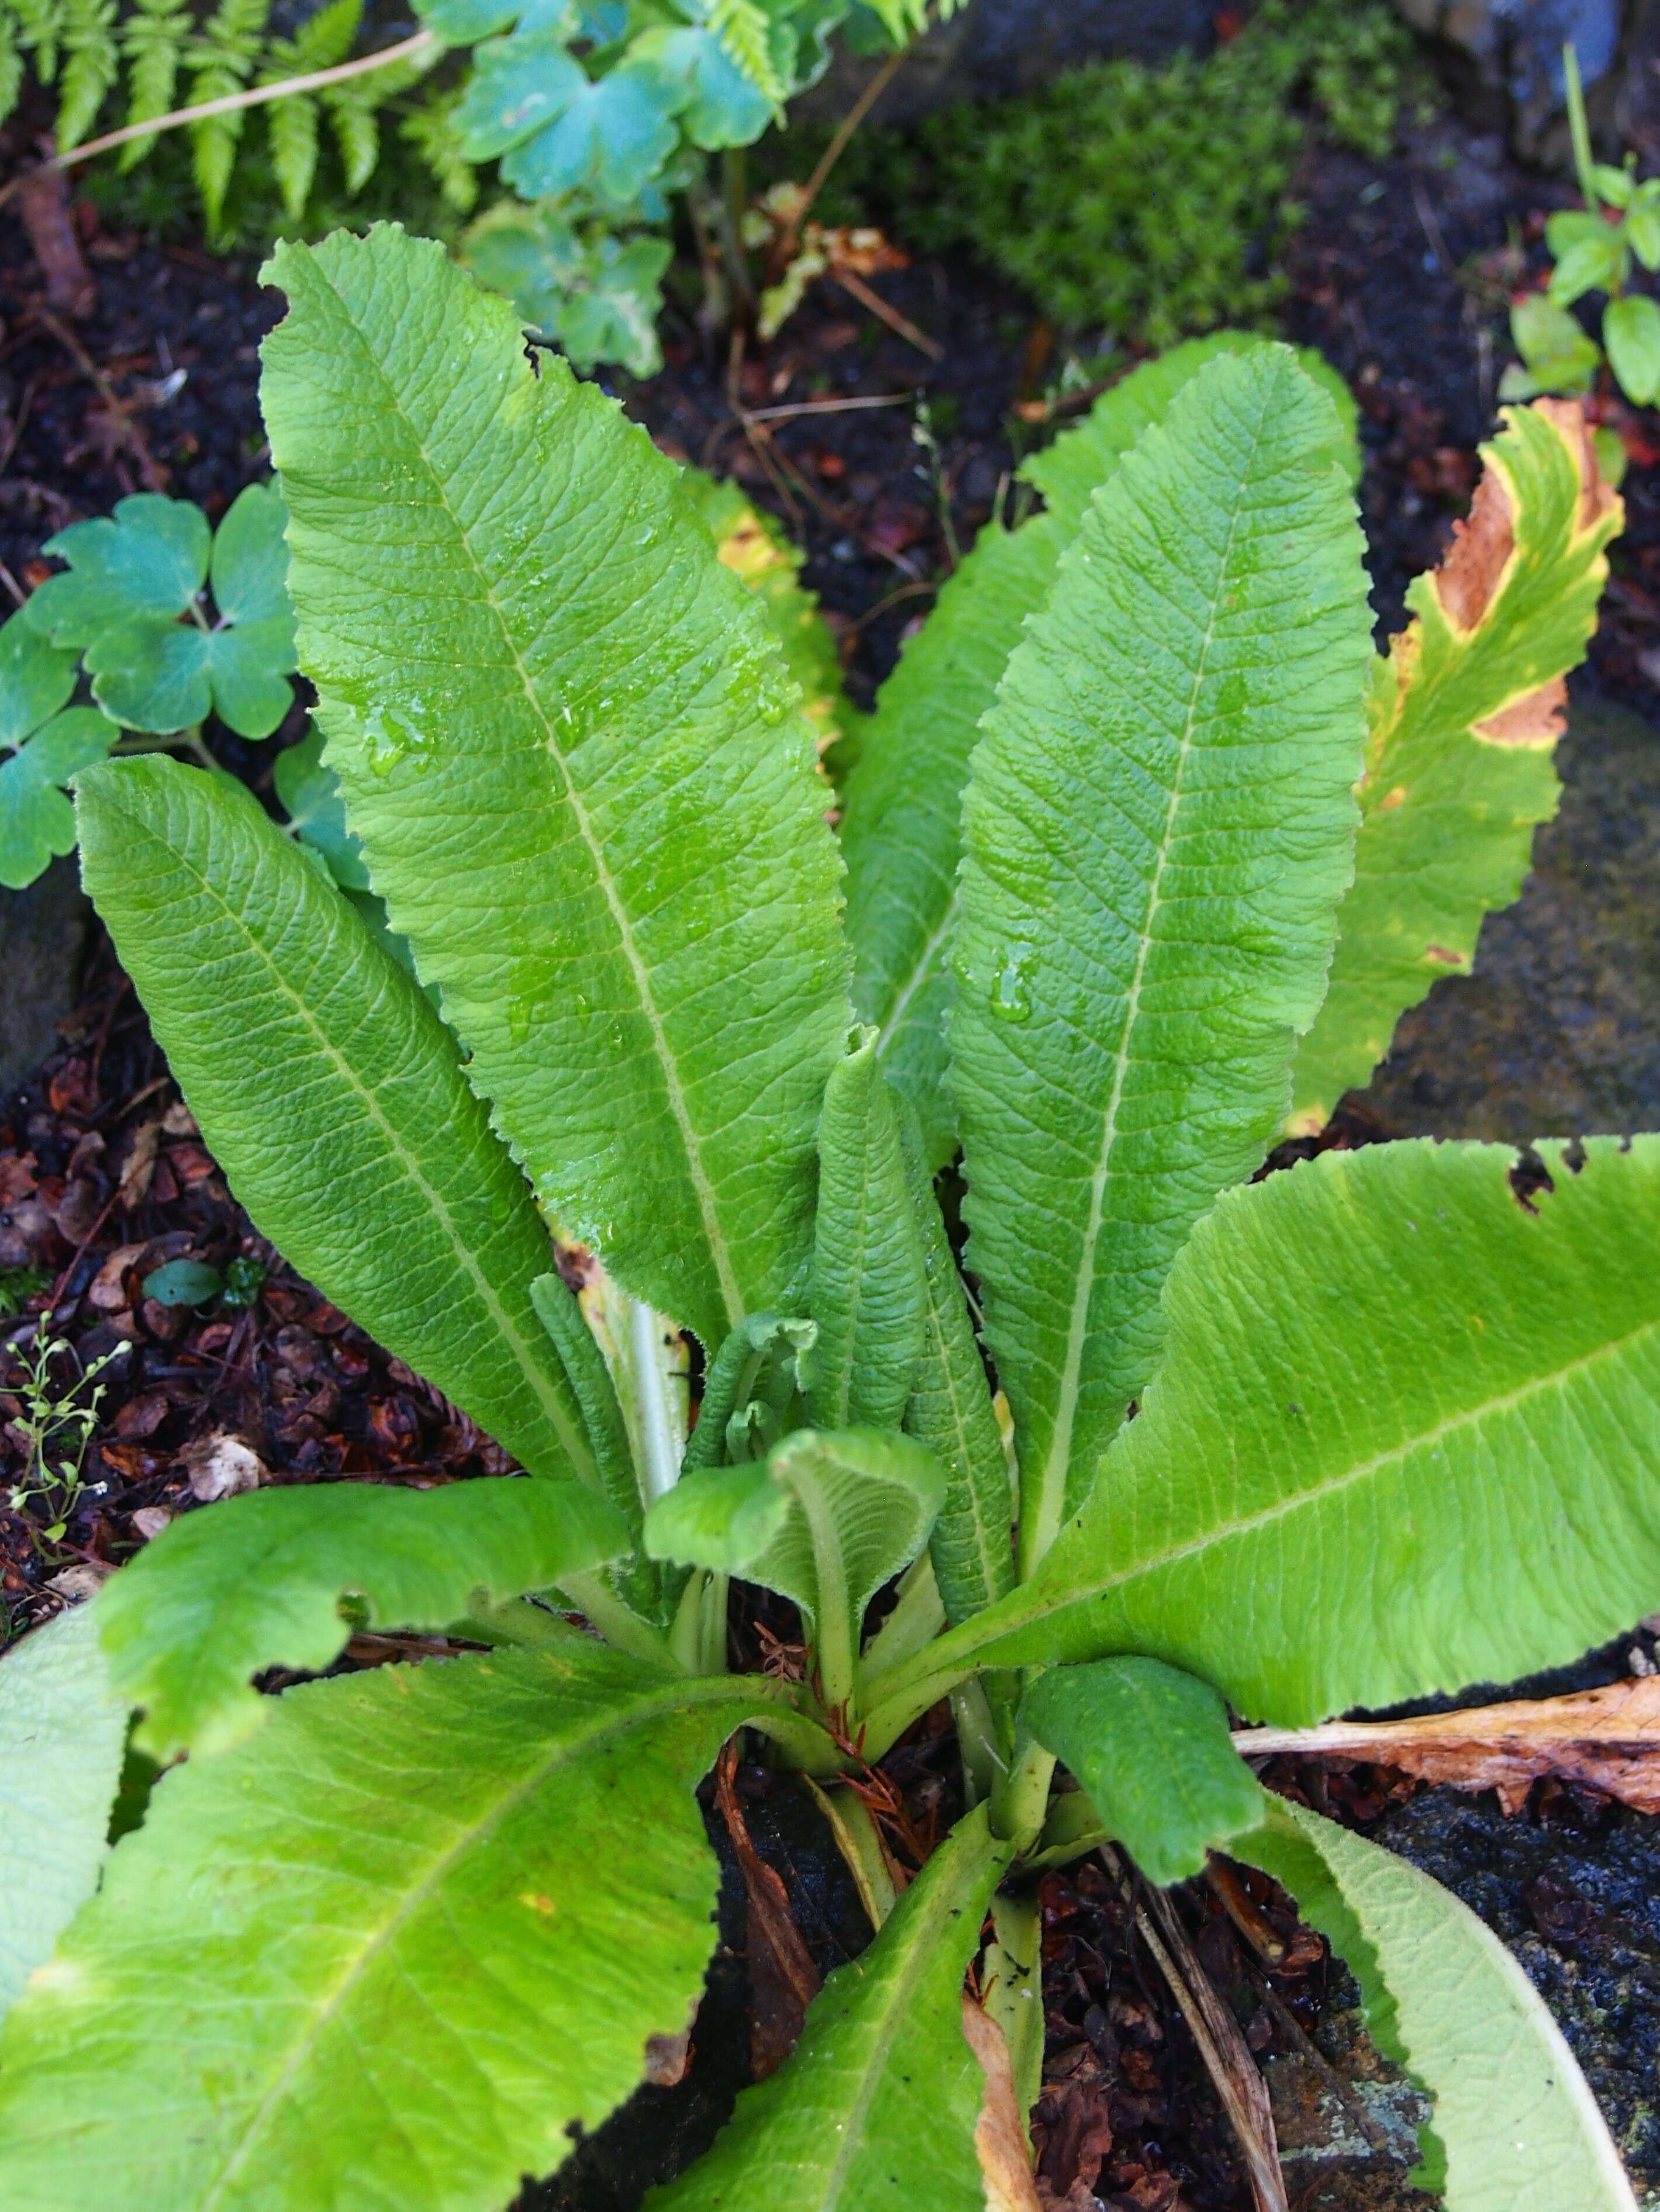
[[253, 95]]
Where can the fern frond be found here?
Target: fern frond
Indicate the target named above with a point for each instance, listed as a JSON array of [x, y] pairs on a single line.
[[741, 26], [319, 43], [223, 58], [40, 31], [353, 111], [91, 62], [431, 130], [11, 63], [905, 19], [291, 128], [153, 45], [291, 124]]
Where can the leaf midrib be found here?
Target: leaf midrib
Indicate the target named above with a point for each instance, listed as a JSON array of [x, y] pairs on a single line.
[[926, 962], [673, 1697], [575, 1445], [972, 1639], [702, 1185], [902, 1989], [1048, 1502]]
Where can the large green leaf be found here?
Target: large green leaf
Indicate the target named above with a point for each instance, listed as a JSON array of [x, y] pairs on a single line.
[[951, 1411], [1515, 2126], [395, 1949], [62, 1730], [1456, 1485], [329, 1092], [1464, 716], [571, 750], [1157, 831], [257, 1582], [869, 1294], [875, 2109], [1151, 1747], [902, 806], [826, 1521]]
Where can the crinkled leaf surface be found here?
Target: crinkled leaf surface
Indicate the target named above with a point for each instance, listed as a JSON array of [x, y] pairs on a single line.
[[257, 1582], [62, 1734], [875, 2109], [826, 1521], [35, 680], [1158, 828], [518, 626], [36, 819], [1458, 1486], [869, 1293], [1514, 2125], [356, 1962], [951, 1411], [148, 559], [1463, 717], [329, 1092], [902, 804], [1151, 1747]]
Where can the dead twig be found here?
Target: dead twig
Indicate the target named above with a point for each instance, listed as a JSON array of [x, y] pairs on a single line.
[[784, 252], [901, 325], [120, 413], [1227, 2057]]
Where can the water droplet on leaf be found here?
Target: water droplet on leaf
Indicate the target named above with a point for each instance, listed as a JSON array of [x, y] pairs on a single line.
[[1011, 996]]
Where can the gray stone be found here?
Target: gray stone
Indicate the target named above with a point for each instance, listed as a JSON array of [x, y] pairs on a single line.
[[1557, 1032], [43, 937], [1517, 47]]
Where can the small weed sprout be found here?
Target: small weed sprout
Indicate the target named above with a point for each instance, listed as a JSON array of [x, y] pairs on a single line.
[[56, 1426]]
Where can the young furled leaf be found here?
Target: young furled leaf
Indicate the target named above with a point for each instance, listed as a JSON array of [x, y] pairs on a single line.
[[825, 1522], [449, 1857], [330, 1093], [1463, 717], [1150, 1747], [62, 1733], [1312, 1531], [951, 1411], [877, 2106], [1515, 2127], [638, 937], [758, 1368], [257, 1582], [1156, 837], [869, 1293]]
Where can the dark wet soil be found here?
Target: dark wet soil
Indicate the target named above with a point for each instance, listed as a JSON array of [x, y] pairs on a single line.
[[1400, 274]]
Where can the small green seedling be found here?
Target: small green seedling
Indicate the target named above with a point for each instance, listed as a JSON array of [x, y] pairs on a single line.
[[56, 1422], [1384, 1423], [1592, 249]]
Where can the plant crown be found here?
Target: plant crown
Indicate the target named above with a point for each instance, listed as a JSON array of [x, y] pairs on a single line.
[[398, 1935]]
